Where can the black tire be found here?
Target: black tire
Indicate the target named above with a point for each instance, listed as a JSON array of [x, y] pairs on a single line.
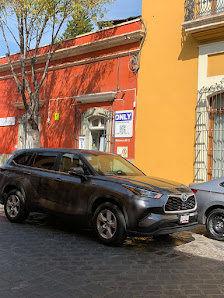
[[14, 207], [215, 224], [109, 224]]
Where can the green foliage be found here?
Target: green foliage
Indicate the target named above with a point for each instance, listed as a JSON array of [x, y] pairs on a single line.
[[35, 17], [32, 19], [79, 24], [105, 24]]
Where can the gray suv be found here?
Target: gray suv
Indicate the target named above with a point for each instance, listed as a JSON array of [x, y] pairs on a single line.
[[103, 191]]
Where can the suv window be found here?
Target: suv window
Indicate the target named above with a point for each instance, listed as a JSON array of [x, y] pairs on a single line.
[[44, 161], [69, 161], [23, 159]]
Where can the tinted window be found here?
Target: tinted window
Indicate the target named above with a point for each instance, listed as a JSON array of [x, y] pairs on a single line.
[[44, 161], [112, 165], [69, 161], [23, 159]]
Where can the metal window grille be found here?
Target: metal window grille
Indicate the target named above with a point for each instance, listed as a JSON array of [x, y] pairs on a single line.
[[209, 144], [195, 9]]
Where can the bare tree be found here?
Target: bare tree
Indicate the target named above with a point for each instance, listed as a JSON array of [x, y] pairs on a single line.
[[33, 18]]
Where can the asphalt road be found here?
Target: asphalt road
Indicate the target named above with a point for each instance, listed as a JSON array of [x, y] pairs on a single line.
[[46, 257]]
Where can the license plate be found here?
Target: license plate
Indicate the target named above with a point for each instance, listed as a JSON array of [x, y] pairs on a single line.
[[184, 219]]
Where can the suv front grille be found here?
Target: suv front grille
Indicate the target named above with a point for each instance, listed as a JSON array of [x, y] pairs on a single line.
[[177, 204]]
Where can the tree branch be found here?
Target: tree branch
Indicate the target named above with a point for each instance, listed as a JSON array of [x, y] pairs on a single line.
[[19, 85], [46, 19], [50, 54]]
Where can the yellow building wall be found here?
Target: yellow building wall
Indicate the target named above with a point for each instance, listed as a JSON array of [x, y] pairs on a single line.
[[215, 65], [167, 94]]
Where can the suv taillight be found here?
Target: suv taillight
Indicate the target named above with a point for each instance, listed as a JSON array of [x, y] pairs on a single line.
[[2, 169], [194, 190]]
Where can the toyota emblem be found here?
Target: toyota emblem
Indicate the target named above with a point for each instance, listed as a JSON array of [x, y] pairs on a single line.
[[184, 198]]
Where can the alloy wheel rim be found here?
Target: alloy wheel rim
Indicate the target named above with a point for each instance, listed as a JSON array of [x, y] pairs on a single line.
[[13, 206], [106, 224]]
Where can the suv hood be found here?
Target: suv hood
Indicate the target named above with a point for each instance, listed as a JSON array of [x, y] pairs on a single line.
[[153, 183]]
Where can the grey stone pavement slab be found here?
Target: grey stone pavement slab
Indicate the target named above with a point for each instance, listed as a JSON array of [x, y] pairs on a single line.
[[46, 257]]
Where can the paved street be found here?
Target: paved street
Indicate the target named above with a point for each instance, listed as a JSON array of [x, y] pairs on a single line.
[[45, 258]]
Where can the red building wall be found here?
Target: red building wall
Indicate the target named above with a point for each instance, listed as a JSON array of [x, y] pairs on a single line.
[[68, 82]]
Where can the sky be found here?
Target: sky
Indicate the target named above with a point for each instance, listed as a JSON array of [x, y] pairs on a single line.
[[124, 8], [118, 10]]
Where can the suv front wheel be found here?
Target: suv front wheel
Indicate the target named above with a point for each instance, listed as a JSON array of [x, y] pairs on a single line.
[[14, 206], [109, 224]]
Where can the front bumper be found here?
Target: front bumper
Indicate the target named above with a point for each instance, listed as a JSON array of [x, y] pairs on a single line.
[[161, 224]]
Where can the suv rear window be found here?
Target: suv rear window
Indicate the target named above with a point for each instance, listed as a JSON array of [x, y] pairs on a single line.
[[23, 159], [44, 161]]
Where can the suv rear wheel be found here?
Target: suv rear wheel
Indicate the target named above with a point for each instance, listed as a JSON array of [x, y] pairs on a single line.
[[14, 206], [109, 224], [215, 224]]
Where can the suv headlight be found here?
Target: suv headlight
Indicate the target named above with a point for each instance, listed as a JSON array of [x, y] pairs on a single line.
[[143, 192]]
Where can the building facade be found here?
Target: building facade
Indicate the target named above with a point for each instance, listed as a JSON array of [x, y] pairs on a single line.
[[204, 20], [180, 122], [88, 99]]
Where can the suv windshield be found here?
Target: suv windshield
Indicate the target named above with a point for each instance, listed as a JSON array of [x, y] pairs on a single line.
[[112, 165]]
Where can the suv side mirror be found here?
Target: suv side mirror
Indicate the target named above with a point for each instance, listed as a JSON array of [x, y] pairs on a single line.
[[78, 172]]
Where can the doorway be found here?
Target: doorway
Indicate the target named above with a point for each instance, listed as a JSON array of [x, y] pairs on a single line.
[[98, 140], [96, 127]]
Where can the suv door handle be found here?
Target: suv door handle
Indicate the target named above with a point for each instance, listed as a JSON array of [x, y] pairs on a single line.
[[57, 179], [27, 173]]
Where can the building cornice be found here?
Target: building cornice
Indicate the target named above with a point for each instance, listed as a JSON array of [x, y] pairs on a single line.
[[86, 48], [206, 28], [96, 97], [78, 63], [204, 23], [107, 28]]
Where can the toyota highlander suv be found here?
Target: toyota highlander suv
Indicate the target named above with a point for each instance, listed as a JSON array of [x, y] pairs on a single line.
[[103, 191]]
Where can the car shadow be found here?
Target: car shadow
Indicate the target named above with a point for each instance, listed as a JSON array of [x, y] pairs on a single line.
[[151, 243], [201, 230], [48, 257]]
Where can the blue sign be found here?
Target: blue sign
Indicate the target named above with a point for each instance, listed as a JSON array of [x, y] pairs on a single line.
[[123, 116], [123, 124]]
